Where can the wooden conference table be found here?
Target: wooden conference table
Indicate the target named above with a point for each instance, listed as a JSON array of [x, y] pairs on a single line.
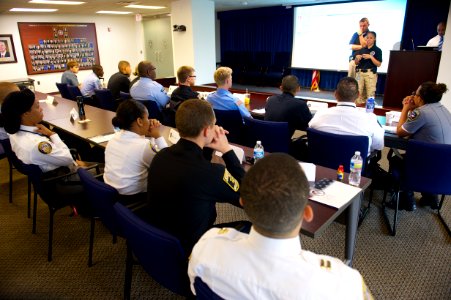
[[57, 114]]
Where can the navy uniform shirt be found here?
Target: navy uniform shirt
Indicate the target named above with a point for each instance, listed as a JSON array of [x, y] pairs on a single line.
[[184, 187], [181, 94], [429, 123], [367, 64], [287, 108]]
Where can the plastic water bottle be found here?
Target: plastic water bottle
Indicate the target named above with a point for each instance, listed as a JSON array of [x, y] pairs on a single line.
[[355, 169], [259, 152], [370, 105]]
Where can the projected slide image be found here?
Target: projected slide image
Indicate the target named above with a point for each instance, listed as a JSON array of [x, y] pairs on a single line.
[[322, 32]]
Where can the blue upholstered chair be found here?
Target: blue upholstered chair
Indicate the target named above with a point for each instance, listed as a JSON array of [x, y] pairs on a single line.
[[160, 254], [105, 99], [275, 136], [74, 92], [63, 88], [232, 121], [153, 109], [427, 168], [102, 198], [124, 95], [203, 291]]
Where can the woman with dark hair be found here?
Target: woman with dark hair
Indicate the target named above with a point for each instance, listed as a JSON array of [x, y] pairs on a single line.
[[129, 153], [423, 118], [32, 142]]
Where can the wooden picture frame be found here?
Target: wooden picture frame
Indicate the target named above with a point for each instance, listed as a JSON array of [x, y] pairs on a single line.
[[47, 47], [7, 51]]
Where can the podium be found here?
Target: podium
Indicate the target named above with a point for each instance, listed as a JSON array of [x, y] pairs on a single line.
[[406, 71]]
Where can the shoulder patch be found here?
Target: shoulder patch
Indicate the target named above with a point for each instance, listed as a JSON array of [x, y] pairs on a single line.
[[413, 115], [231, 181], [45, 147]]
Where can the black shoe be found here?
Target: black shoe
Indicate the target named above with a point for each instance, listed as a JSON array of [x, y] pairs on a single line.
[[406, 202], [430, 200]]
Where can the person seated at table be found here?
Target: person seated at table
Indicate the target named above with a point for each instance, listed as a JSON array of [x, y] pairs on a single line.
[[120, 81], [423, 118], [5, 89], [184, 185], [33, 143], [146, 88], [269, 263], [287, 108], [69, 76], [222, 99], [187, 78], [92, 81], [346, 118], [129, 153]]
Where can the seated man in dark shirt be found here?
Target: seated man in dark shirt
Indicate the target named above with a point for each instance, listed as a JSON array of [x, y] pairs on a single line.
[[183, 185], [187, 78], [287, 108], [120, 81]]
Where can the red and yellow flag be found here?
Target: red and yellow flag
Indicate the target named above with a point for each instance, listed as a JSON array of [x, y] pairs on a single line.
[[315, 81]]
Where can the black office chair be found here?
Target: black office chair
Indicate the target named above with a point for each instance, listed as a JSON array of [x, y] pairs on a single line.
[[275, 136], [160, 254], [102, 198], [427, 168], [124, 95], [64, 90], [74, 92], [232, 121], [105, 99], [203, 291]]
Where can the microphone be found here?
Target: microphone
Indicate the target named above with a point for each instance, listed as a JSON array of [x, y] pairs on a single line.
[[413, 45]]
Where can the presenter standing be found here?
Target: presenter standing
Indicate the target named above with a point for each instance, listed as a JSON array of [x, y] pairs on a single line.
[[437, 41], [367, 61], [358, 42]]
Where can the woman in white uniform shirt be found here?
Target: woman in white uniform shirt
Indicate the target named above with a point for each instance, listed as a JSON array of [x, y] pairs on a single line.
[[129, 153]]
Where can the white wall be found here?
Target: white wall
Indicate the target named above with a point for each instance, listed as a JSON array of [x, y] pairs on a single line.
[[444, 71], [124, 41]]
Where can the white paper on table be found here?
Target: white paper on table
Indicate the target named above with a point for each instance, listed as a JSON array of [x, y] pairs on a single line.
[[259, 111], [309, 170], [73, 114], [171, 89], [315, 106], [337, 194], [389, 129], [174, 136], [102, 138], [238, 152], [204, 95], [239, 96]]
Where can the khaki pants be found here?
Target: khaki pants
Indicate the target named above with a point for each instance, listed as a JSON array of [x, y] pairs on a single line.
[[351, 70], [367, 85]]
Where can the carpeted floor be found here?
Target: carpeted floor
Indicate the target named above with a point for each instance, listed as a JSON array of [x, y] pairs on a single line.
[[416, 264]]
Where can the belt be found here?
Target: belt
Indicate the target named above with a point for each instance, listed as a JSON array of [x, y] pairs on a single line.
[[365, 70]]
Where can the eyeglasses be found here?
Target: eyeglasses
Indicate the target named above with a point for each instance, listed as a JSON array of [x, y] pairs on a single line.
[[192, 76], [153, 68]]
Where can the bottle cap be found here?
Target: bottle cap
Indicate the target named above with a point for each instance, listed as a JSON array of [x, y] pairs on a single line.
[[259, 142], [357, 153]]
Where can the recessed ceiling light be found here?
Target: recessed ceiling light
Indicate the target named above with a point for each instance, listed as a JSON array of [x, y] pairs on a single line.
[[55, 2], [113, 12], [145, 6], [34, 9]]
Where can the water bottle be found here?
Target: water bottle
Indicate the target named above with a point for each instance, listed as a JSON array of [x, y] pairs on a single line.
[[370, 105], [355, 169], [259, 152], [81, 108]]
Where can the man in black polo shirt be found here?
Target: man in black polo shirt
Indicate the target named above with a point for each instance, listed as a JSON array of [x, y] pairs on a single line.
[[120, 81], [183, 185], [367, 60], [287, 108]]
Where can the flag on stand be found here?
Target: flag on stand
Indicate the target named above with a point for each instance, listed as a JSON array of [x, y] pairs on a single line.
[[315, 81]]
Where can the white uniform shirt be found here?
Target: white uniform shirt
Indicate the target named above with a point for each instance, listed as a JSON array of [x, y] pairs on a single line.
[[127, 160], [346, 119], [30, 148], [236, 265], [434, 41]]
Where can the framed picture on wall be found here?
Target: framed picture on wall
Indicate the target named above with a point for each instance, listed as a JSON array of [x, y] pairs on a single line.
[[7, 51]]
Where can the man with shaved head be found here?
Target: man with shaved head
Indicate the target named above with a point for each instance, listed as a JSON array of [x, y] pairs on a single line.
[[146, 88]]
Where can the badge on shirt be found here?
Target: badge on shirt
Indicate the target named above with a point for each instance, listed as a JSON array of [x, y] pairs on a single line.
[[154, 148], [45, 147], [231, 181], [413, 115], [325, 264]]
